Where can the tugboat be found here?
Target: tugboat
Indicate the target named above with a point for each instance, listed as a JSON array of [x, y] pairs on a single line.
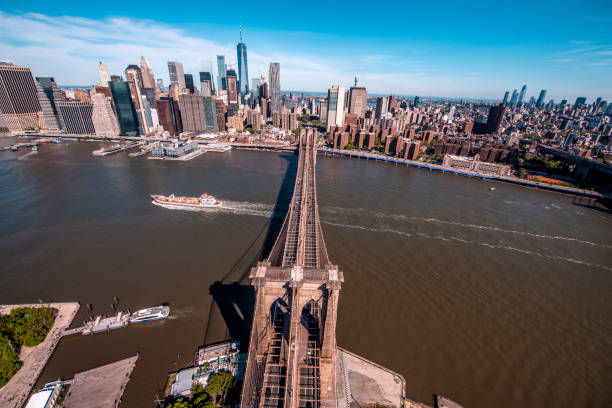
[[204, 201]]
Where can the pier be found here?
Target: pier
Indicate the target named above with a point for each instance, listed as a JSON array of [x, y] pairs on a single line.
[[101, 325], [16, 146], [15, 392]]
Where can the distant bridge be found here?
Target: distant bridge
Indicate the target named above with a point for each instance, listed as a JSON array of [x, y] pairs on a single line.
[[586, 170], [292, 349]]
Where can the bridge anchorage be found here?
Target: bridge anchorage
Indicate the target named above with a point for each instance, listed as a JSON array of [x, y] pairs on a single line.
[[292, 349]]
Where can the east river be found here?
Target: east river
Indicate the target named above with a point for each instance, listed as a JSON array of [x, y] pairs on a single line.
[[492, 297]]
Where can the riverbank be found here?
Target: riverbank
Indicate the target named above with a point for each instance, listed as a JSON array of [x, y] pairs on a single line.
[[451, 170], [15, 393], [378, 157]]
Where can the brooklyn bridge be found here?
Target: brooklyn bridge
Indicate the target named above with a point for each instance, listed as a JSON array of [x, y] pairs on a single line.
[[293, 360], [292, 349]]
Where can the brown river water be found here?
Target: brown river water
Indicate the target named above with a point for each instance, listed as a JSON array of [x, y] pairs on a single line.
[[493, 298]]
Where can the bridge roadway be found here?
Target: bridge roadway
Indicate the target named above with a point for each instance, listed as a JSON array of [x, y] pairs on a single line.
[[292, 349]]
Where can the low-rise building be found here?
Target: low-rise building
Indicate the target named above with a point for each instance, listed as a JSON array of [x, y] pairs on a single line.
[[176, 149], [474, 164]]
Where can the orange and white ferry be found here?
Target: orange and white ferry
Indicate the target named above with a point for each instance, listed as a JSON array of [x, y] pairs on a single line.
[[205, 200]]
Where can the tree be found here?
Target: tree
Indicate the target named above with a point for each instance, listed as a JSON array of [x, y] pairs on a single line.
[[179, 403], [377, 143], [22, 327], [350, 146], [522, 172], [219, 383]]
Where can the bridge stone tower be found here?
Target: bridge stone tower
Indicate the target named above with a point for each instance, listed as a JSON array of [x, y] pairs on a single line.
[[292, 350]]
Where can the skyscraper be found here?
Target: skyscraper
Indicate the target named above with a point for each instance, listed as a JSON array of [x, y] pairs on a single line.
[[221, 72], [104, 78], [48, 94], [126, 113], [103, 116], [255, 82], [506, 97], [18, 98], [77, 117], [243, 70], [206, 84], [134, 78], [513, 98], [274, 79], [540, 101], [176, 73], [382, 106], [148, 79], [496, 116], [358, 100], [166, 113], [189, 83], [210, 113], [580, 102], [521, 95], [232, 87], [220, 111], [335, 106], [192, 113]]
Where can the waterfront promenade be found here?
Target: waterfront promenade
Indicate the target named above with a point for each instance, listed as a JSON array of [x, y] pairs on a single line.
[[15, 393]]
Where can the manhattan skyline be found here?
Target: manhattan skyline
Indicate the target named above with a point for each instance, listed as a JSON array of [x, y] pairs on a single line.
[[431, 54]]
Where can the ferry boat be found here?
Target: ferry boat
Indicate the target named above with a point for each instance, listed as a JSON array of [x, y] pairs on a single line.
[[149, 314], [205, 200]]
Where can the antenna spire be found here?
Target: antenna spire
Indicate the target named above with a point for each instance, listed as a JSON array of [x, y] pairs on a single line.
[[241, 33], [355, 81]]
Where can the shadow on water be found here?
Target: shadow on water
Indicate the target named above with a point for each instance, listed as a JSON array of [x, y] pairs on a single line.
[[602, 205], [232, 298]]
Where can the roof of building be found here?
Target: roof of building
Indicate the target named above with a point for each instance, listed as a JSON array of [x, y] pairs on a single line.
[[40, 399], [183, 381], [442, 402]]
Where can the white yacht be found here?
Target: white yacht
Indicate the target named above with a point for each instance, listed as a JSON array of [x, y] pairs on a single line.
[[151, 313]]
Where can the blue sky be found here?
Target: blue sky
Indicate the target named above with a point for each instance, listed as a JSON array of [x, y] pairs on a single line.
[[454, 49]]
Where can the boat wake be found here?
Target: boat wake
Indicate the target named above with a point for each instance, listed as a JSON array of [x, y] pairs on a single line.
[[233, 207], [470, 242], [402, 217]]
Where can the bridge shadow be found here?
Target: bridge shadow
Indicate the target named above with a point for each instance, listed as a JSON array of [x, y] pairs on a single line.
[[602, 205], [233, 299]]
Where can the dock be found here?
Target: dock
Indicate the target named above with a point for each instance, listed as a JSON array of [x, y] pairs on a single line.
[[101, 324], [16, 146]]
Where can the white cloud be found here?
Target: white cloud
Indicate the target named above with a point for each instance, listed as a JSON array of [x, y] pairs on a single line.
[[69, 48]]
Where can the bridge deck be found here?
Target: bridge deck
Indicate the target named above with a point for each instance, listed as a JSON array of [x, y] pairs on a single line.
[[299, 243], [291, 360]]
